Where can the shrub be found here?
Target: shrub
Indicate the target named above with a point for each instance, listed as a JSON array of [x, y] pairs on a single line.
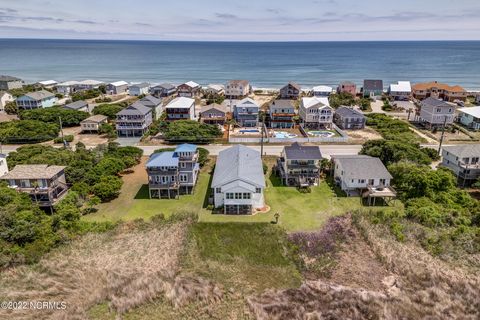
[[27, 131], [67, 138], [108, 188], [109, 110], [70, 118]]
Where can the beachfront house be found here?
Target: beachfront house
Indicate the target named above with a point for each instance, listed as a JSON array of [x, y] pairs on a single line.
[[153, 103], [322, 91], [237, 89], [66, 88], [470, 117], [215, 90], [88, 85], [299, 165], [401, 91], [117, 87], [189, 90], [316, 113], [37, 99], [139, 89], [439, 90], [464, 161], [173, 173], [163, 90], [213, 114], [9, 83], [93, 123], [46, 84], [79, 105], [246, 112], [348, 118], [435, 113], [4, 98], [281, 114], [181, 108], [291, 90], [372, 88], [362, 175], [238, 181], [3, 164], [134, 121], [347, 87], [45, 184]]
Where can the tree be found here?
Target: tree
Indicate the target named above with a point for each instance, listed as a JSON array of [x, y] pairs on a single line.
[[70, 118], [341, 99], [11, 107], [27, 131], [394, 151], [109, 110], [107, 188]]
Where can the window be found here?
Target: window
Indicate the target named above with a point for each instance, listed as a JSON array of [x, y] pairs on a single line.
[[218, 190], [183, 178], [246, 196], [258, 190], [173, 179], [183, 165], [164, 179], [229, 195], [361, 180]]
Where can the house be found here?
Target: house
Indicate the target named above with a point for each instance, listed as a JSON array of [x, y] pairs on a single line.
[[238, 182], [118, 87], [372, 88], [181, 108], [300, 165], [88, 85], [470, 117], [67, 88], [172, 173], [477, 98], [290, 91], [47, 84], [3, 164], [215, 90], [139, 89], [93, 123], [134, 120], [9, 83], [4, 98], [316, 113], [213, 114], [347, 87], [163, 90], [362, 175], [439, 91], [237, 89], [246, 112], [45, 184], [281, 114], [189, 90], [37, 99], [435, 113], [79, 105], [153, 103], [349, 118], [464, 161], [400, 91], [322, 91]]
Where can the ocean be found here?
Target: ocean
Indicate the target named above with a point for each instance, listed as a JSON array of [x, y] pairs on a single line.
[[265, 65]]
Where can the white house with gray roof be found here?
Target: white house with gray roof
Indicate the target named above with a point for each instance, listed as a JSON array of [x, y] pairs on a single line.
[[117, 87], [9, 82], [134, 120], [79, 105], [316, 113], [37, 99], [464, 161], [139, 89], [238, 182], [435, 112], [469, 117], [300, 165]]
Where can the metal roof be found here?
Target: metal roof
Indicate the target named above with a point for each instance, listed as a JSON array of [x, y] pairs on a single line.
[[40, 95], [473, 111], [119, 83], [163, 159], [464, 150], [319, 102], [181, 102], [186, 147], [76, 105]]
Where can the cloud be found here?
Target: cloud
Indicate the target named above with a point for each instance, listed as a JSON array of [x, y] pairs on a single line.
[[141, 24], [226, 16], [85, 21]]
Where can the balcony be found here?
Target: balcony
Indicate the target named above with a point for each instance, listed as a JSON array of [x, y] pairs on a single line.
[[160, 185]]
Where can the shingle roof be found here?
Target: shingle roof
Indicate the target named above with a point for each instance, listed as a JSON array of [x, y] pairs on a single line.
[[181, 102], [293, 84], [163, 159], [298, 152], [9, 78], [348, 112], [247, 101], [238, 82], [77, 105], [135, 108], [95, 119], [167, 86], [373, 85], [216, 106], [464, 150], [40, 95], [282, 104], [33, 171], [347, 83], [435, 102], [238, 163], [362, 167], [435, 84], [150, 100], [140, 85]]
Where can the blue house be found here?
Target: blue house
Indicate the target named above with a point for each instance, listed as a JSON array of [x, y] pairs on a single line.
[[173, 173], [37, 99], [246, 112]]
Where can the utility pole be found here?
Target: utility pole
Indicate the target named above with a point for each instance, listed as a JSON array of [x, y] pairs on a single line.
[[261, 140], [443, 135], [61, 132]]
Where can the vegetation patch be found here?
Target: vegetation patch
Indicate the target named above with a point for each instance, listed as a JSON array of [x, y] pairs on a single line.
[[70, 118], [27, 131]]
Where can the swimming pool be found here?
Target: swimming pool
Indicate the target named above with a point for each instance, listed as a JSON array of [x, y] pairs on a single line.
[[323, 133], [284, 135]]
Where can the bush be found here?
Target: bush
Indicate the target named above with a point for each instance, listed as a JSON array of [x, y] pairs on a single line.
[[109, 110], [70, 118], [108, 188], [67, 138], [103, 100], [341, 99], [190, 131], [27, 131], [85, 95]]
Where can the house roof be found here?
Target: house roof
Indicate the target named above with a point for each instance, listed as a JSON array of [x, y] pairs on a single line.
[[247, 101], [192, 84], [349, 112], [95, 119], [435, 84], [293, 84], [167, 86], [238, 82], [319, 102], [163, 159], [90, 82], [76, 105], [140, 85], [362, 167], [347, 83], [186, 147], [401, 86], [298, 152], [239, 163], [282, 104], [47, 82], [150, 100], [435, 102], [473, 111], [373, 85], [216, 106], [68, 83], [134, 109], [119, 83], [9, 78], [322, 89], [40, 95], [2, 93], [464, 150], [181, 102], [33, 171]]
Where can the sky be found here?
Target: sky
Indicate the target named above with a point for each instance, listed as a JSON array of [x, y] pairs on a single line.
[[260, 20]]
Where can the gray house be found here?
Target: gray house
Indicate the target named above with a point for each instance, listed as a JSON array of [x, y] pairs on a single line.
[[290, 91], [300, 165], [246, 112], [372, 88], [464, 161], [153, 103], [163, 90], [8, 83], [118, 87], [213, 114], [349, 118], [172, 173], [435, 112], [77, 105], [134, 120], [281, 114]]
